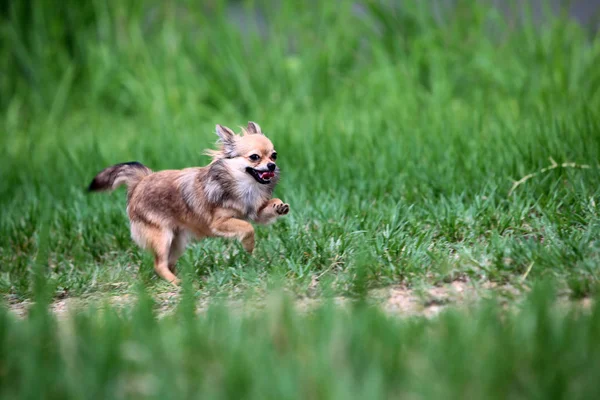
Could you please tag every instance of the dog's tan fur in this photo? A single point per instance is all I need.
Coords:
(168, 208)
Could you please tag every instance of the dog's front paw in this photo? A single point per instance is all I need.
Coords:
(282, 208)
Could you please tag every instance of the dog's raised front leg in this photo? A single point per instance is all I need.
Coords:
(235, 228)
(272, 209)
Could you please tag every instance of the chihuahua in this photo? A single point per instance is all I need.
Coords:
(168, 208)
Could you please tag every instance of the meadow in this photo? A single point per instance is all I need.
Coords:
(420, 146)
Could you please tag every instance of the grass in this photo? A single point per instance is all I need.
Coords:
(401, 133)
(278, 353)
(400, 137)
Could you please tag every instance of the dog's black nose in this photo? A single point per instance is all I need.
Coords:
(271, 166)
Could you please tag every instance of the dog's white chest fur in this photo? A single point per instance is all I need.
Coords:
(251, 194)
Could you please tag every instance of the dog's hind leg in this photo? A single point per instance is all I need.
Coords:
(159, 241)
(178, 245)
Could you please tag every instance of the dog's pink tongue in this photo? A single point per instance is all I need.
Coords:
(266, 175)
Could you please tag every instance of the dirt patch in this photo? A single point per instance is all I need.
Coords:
(19, 308)
(399, 301)
(431, 301)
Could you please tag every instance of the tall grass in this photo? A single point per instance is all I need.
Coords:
(400, 130)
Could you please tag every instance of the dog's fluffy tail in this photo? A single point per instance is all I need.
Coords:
(129, 173)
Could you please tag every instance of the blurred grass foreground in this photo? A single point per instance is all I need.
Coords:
(401, 130)
(420, 143)
(280, 354)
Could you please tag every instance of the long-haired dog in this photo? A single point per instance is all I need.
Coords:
(168, 208)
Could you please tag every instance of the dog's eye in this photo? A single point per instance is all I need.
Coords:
(274, 156)
(254, 157)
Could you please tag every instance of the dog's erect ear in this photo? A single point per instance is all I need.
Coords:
(254, 128)
(227, 137)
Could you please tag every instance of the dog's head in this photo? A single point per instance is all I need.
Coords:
(251, 153)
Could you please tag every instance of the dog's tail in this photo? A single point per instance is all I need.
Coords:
(129, 173)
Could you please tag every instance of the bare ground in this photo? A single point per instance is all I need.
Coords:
(398, 301)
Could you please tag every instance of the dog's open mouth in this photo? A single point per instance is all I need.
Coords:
(263, 177)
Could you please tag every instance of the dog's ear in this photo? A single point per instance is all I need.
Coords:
(254, 128)
(227, 137)
(226, 134)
